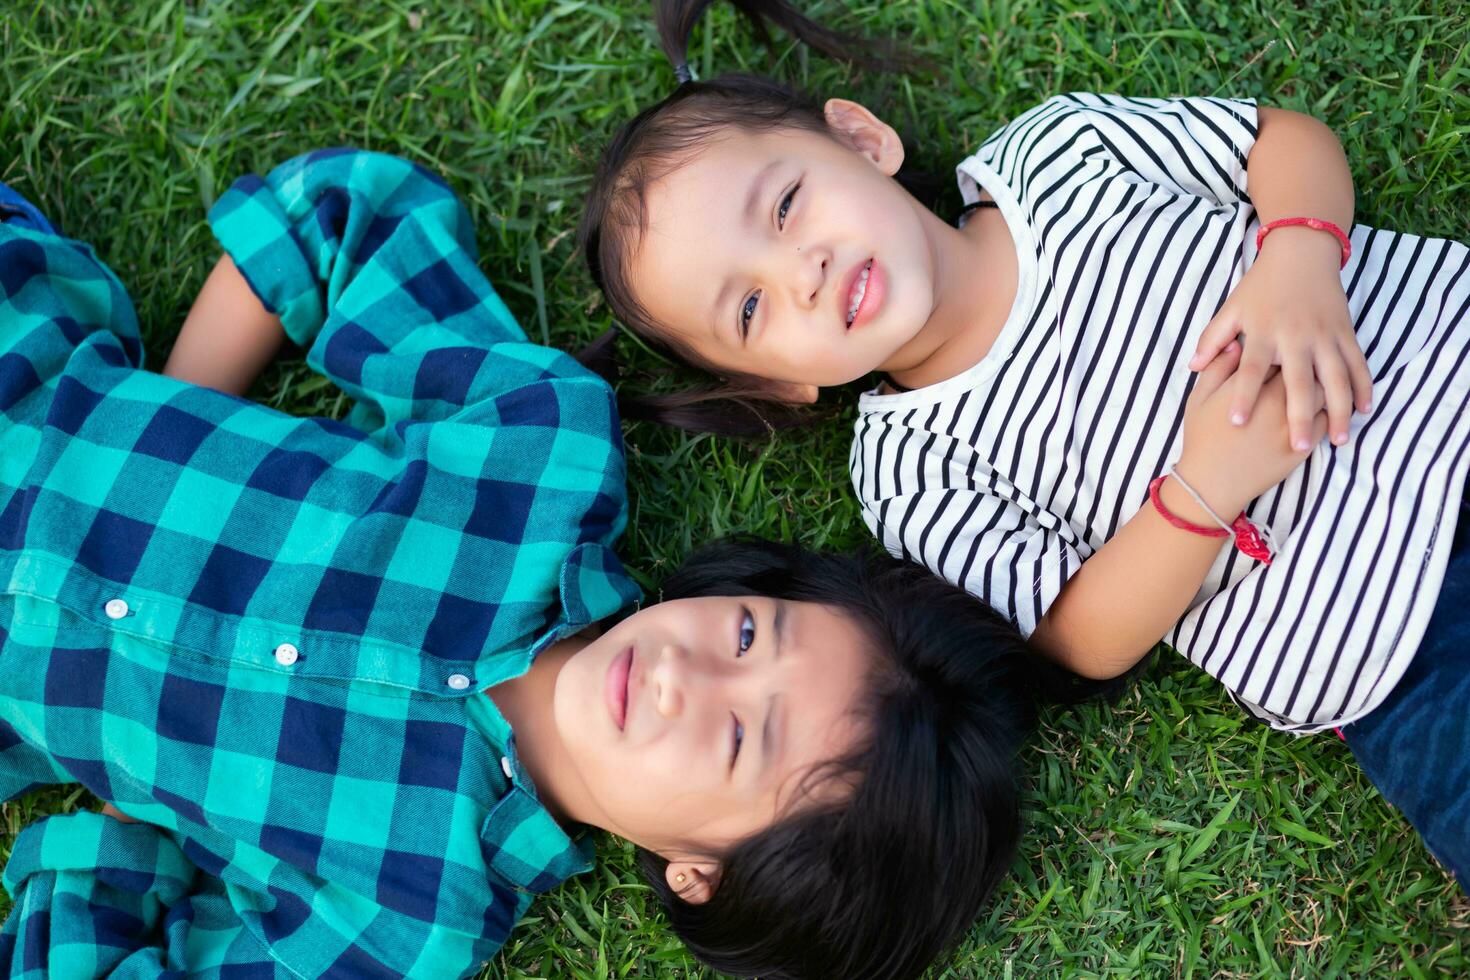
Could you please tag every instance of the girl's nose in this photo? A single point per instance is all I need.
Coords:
(812, 266)
(669, 679)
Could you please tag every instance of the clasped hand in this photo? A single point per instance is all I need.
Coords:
(1280, 368)
(1290, 312)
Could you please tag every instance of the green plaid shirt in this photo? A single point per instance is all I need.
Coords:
(264, 635)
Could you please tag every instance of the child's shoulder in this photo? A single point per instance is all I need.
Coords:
(1038, 121)
(1077, 119)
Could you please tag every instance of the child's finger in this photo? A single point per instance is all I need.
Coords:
(1217, 372)
(1302, 405)
(1337, 394)
(1319, 428)
(1362, 378)
(1248, 380)
(1217, 335)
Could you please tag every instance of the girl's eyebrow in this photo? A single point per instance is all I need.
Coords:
(719, 304)
(753, 199)
(767, 752)
(770, 730)
(757, 188)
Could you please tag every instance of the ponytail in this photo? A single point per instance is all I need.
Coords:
(741, 410)
(675, 20)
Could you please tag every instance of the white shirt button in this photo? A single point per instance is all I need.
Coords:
(286, 654)
(115, 608)
(459, 681)
(505, 767)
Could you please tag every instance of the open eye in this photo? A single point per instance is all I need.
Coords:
(747, 633)
(747, 313)
(786, 206)
(739, 740)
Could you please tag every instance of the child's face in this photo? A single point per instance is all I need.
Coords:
(757, 246)
(691, 722)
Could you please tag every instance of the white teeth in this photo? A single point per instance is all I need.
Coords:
(859, 290)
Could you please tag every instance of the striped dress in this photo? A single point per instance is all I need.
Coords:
(1132, 224)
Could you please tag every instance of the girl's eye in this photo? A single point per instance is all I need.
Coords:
(786, 206)
(747, 312)
(739, 738)
(747, 634)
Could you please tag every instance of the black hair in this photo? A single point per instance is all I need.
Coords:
(658, 140)
(881, 882)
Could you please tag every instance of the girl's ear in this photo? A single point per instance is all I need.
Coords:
(866, 133)
(693, 881)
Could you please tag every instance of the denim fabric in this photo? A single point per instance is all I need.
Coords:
(1415, 746)
(15, 208)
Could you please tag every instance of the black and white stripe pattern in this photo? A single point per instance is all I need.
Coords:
(1132, 224)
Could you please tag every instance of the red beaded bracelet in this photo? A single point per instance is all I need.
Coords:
(1248, 538)
(1316, 224)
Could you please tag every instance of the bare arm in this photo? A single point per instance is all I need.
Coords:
(1129, 594)
(228, 337)
(1132, 590)
(1136, 586)
(1297, 167)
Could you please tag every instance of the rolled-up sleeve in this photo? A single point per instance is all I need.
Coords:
(370, 262)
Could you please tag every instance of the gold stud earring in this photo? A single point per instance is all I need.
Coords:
(679, 878)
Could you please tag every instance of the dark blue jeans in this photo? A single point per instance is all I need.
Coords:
(1415, 746)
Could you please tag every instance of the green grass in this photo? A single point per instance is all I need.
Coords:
(1169, 836)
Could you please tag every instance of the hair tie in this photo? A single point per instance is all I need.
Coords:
(682, 72)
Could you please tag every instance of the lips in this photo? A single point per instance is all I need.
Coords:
(615, 687)
(862, 293)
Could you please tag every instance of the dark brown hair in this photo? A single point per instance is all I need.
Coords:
(877, 885)
(656, 142)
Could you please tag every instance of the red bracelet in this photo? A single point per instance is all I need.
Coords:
(1316, 224)
(1248, 537)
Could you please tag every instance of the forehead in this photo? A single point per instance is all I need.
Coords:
(694, 201)
(827, 636)
(712, 168)
(834, 657)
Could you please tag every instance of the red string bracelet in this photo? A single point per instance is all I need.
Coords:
(1316, 224)
(1248, 537)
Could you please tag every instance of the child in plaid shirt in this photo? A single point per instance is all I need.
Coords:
(339, 676)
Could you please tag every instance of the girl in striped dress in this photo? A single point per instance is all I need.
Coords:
(1159, 386)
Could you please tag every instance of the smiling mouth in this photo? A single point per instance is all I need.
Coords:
(858, 293)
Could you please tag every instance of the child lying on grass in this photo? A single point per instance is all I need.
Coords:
(361, 683)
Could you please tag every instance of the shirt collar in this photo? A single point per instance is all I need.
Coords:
(591, 586)
(523, 843)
